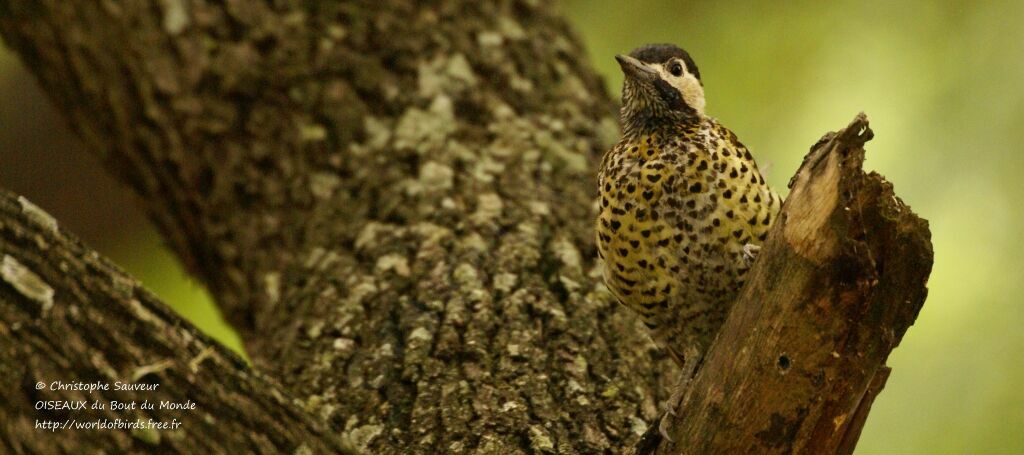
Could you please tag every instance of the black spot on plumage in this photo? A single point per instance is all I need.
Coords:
(733, 173)
(663, 242)
(623, 252)
(629, 283)
(727, 194)
(743, 199)
(642, 263)
(646, 233)
(634, 243)
(653, 177)
(648, 194)
(615, 225)
(630, 188)
(695, 188)
(703, 166)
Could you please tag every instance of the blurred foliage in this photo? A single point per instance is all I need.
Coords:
(942, 85)
(161, 272)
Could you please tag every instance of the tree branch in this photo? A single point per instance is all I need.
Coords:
(802, 355)
(68, 315)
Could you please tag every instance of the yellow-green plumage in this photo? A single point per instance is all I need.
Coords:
(682, 208)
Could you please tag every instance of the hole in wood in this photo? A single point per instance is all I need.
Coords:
(784, 362)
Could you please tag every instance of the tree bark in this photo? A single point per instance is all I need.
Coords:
(393, 202)
(68, 316)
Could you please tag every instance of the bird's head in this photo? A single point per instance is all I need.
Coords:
(662, 85)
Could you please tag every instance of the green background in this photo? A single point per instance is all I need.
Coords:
(940, 82)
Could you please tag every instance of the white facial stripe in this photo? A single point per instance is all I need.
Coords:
(687, 84)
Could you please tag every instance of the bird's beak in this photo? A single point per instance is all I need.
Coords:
(635, 69)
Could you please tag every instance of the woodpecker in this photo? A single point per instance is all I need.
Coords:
(683, 206)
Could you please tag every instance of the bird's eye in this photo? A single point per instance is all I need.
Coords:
(676, 69)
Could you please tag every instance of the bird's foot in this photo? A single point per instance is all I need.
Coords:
(750, 251)
(673, 402)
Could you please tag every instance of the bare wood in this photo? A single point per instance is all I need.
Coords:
(67, 315)
(860, 416)
(802, 355)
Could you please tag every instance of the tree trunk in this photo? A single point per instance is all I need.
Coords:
(393, 202)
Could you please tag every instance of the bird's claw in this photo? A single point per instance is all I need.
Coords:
(750, 251)
(663, 426)
(674, 401)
